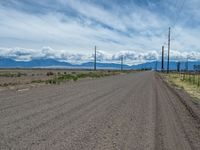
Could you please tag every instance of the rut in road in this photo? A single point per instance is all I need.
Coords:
(132, 111)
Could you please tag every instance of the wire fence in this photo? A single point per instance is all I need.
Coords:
(191, 77)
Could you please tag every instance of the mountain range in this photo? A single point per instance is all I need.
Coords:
(52, 63)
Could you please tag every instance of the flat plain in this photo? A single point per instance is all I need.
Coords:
(126, 111)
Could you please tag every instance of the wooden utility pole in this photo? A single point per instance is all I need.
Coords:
(156, 65)
(122, 63)
(178, 66)
(186, 67)
(162, 65)
(95, 58)
(168, 50)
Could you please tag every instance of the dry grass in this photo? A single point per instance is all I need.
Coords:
(177, 80)
(17, 78)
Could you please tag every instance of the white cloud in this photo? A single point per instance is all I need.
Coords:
(130, 57)
(49, 29)
(135, 31)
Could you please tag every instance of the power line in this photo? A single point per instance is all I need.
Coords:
(178, 14)
(181, 29)
(165, 31)
(169, 34)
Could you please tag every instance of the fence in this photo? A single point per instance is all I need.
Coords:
(191, 77)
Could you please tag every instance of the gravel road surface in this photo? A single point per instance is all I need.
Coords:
(135, 111)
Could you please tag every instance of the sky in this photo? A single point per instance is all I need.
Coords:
(68, 30)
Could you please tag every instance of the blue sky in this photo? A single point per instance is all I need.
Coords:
(69, 29)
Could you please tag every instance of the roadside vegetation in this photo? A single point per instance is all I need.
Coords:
(12, 78)
(190, 82)
(19, 74)
(73, 76)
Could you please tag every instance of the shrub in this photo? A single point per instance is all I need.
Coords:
(37, 81)
(50, 73)
(75, 76)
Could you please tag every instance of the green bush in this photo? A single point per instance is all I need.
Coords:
(50, 73)
(12, 74)
(37, 81)
(75, 76)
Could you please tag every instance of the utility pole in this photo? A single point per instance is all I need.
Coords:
(156, 65)
(178, 66)
(162, 65)
(186, 68)
(187, 65)
(95, 58)
(168, 50)
(122, 63)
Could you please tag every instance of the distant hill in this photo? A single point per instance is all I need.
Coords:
(52, 63)
(104, 65)
(173, 65)
(10, 63)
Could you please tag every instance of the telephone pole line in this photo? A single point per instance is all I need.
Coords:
(187, 68)
(162, 65)
(122, 62)
(95, 58)
(156, 65)
(168, 49)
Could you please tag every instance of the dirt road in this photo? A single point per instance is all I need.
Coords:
(126, 112)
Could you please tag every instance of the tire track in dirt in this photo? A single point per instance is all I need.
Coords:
(133, 111)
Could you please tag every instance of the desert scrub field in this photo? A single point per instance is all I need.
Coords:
(74, 76)
(189, 82)
(31, 77)
(19, 74)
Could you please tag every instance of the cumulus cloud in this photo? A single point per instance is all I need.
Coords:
(70, 28)
(130, 57)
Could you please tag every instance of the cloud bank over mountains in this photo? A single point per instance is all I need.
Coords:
(130, 57)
